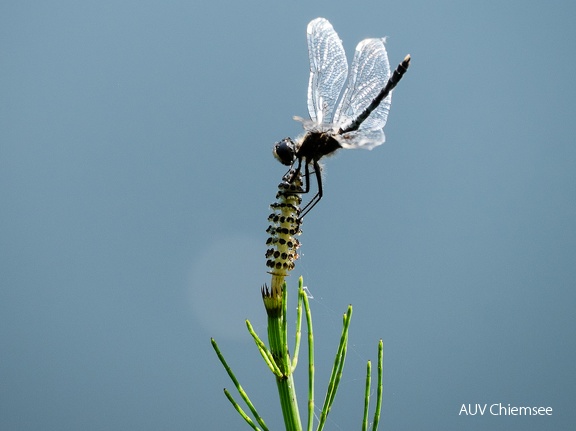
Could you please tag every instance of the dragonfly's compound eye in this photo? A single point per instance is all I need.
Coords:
(285, 151)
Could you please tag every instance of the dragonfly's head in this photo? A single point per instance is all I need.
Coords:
(285, 151)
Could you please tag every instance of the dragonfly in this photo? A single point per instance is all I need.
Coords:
(353, 118)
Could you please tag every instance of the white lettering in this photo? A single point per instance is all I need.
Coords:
(527, 411)
(473, 410)
(498, 409)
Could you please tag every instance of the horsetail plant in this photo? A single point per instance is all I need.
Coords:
(281, 256)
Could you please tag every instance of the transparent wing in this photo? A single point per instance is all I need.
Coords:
(328, 70)
(369, 73)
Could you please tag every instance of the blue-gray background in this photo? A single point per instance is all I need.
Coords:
(136, 174)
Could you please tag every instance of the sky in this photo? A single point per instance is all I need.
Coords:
(136, 174)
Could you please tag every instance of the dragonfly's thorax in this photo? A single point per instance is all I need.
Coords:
(315, 145)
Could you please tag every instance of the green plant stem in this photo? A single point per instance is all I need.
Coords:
(278, 341)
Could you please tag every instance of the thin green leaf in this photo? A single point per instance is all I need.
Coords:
(380, 386)
(310, 356)
(337, 368)
(239, 388)
(266, 354)
(241, 412)
(298, 328)
(367, 397)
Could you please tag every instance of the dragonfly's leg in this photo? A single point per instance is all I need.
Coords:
(294, 173)
(292, 180)
(307, 178)
(318, 195)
